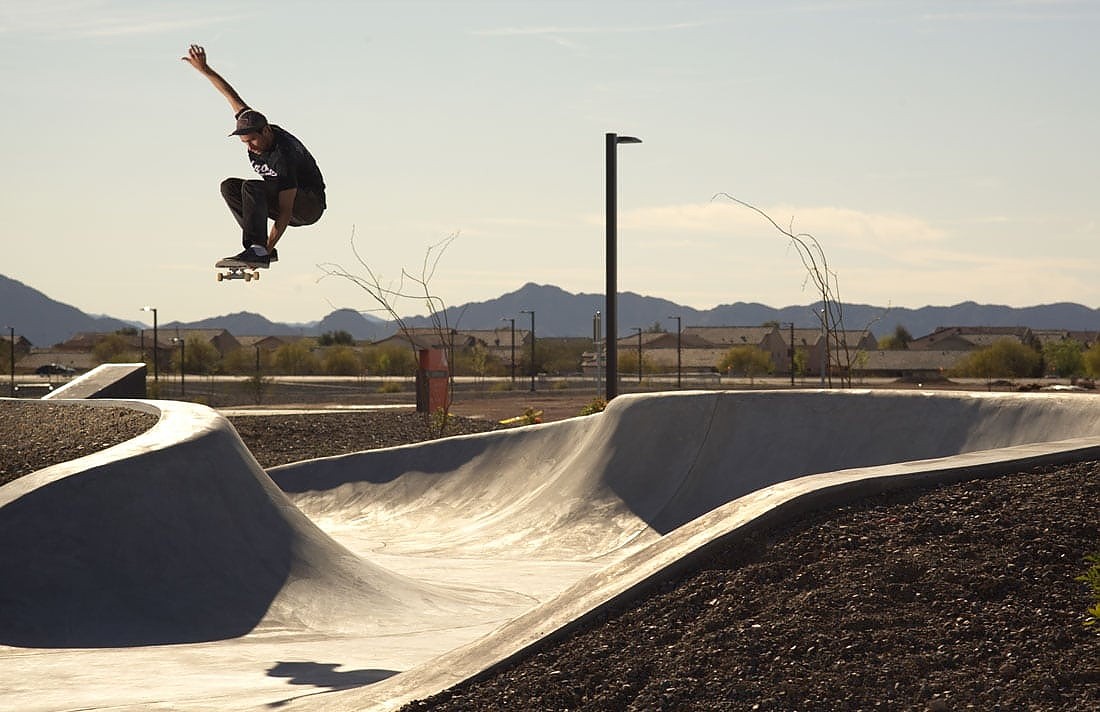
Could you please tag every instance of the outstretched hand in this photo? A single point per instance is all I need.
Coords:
(196, 57)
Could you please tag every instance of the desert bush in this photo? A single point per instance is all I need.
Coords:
(596, 406)
(1092, 578)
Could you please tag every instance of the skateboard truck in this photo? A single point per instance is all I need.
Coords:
(239, 270)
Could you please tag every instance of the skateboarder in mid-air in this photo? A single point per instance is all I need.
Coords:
(291, 192)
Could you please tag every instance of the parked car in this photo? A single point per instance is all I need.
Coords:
(54, 369)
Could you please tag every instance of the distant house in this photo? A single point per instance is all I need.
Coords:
(902, 363)
(265, 343)
(88, 340)
(22, 345)
(971, 338)
(37, 358)
(724, 338)
(703, 347)
(1087, 339)
(220, 339)
(848, 349)
(497, 341)
(659, 350)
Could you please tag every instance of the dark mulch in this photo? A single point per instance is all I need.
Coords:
(35, 435)
(279, 439)
(958, 598)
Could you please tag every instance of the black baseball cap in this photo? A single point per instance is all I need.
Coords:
(249, 121)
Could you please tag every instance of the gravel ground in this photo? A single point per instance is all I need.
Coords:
(277, 440)
(35, 435)
(957, 598)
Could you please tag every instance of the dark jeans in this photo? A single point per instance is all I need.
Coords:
(252, 202)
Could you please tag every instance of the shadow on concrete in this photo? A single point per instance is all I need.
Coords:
(325, 676)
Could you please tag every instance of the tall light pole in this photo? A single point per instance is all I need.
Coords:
(532, 313)
(512, 321)
(156, 368)
(611, 145)
(679, 330)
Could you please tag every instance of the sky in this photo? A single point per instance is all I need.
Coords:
(938, 151)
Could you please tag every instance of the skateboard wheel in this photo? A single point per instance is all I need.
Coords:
(256, 275)
(247, 277)
(220, 276)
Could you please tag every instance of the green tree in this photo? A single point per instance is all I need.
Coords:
(1092, 361)
(476, 361)
(801, 360)
(242, 362)
(1064, 358)
(748, 360)
(389, 361)
(628, 363)
(341, 361)
(336, 338)
(898, 341)
(556, 356)
(1006, 358)
(295, 359)
(113, 348)
(201, 357)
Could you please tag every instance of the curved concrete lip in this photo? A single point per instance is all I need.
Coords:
(368, 580)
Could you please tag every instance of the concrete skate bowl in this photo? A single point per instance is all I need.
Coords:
(399, 572)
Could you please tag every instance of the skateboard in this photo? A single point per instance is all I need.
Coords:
(236, 269)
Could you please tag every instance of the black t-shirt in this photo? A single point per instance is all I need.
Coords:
(288, 164)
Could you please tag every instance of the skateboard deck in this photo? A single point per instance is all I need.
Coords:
(237, 269)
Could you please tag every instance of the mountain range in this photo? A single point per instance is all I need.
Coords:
(44, 321)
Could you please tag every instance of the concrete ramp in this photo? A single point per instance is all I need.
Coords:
(109, 380)
(588, 487)
(384, 576)
(638, 490)
(177, 537)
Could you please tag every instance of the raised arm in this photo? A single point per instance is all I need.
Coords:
(196, 57)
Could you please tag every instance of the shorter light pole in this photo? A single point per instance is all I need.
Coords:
(156, 369)
(183, 361)
(679, 330)
(532, 313)
(512, 321)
